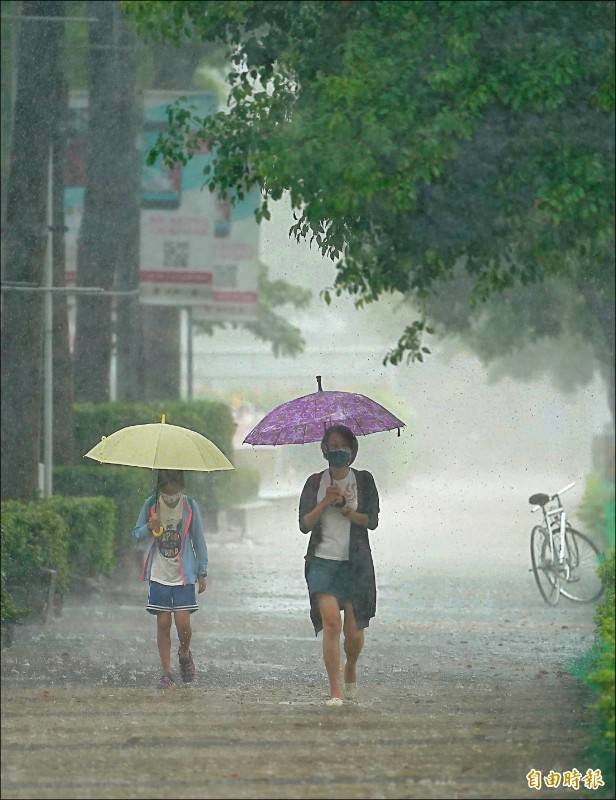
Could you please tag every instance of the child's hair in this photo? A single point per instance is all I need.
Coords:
(347, 434)
(164, 475)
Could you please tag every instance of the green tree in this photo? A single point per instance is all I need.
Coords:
(415, 136)
(548, 328)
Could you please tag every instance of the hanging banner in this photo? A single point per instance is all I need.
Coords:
(195, 250)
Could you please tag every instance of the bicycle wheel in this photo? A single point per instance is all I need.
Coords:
(547, 579)
(583, 584)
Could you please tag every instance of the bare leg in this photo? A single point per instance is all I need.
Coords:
(353, 644)
(182, 624)
(163, 638)
(330, 615)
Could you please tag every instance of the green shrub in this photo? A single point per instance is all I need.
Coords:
(33, 537)
(74, 537)
(9, 612)
(128, 487)
(596, 668)
(596, 510)
(602, 676)
(92, 525)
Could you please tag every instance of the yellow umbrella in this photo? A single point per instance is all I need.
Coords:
(160, 446)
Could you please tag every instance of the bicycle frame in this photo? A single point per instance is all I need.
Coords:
(562, 561)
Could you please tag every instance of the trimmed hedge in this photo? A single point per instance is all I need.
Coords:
(34, 536)
(92, 525)
(65, 534)
(126, 486)
(602, 676)
(596, 668)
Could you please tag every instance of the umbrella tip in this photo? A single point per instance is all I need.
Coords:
(319, 383)
(162, 419)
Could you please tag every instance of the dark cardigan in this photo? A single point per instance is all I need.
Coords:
(360, 555)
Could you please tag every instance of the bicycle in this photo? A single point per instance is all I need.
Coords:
(564, 561)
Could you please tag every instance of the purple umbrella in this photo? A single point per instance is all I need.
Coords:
(305, 419)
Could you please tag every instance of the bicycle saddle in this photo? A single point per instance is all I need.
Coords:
(539, 499)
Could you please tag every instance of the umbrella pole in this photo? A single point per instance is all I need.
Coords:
(155, 492)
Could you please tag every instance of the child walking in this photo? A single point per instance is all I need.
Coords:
(175, 561)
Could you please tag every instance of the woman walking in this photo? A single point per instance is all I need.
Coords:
(175, 561)
(338, 506)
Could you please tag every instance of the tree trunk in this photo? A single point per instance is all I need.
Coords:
(8, 50)
(26, 240)
(161, 353)
(128, 314)
(97, 252)
(63, 440)
(174, 70)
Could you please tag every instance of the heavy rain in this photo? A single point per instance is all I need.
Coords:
(403, 210)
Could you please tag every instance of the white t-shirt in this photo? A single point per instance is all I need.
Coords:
(166, 559)
(335, 526)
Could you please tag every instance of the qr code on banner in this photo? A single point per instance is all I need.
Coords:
(175, 255)
(225, 275)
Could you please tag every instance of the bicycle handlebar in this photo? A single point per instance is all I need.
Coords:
(562, 491)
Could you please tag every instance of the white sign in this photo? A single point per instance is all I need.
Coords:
(195, 250)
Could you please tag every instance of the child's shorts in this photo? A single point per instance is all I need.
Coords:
(171, 598)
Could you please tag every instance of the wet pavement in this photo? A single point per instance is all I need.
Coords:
(463, 686)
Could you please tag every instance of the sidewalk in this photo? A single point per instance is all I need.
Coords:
(463, 688)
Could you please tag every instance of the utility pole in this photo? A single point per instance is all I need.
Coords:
(49, 290)
(48, 342)
(189, 353)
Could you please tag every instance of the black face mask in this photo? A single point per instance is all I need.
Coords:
(339, 458)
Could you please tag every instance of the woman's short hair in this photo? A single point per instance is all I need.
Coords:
(347, 435)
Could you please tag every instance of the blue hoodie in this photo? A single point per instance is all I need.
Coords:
(193, 558)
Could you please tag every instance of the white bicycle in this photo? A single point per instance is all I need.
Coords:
(564, 561)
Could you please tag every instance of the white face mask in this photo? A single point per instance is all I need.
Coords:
(171, 499)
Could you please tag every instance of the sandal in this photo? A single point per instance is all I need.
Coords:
(187, 667)
(350, 691)
(334, 702)
(166, 682)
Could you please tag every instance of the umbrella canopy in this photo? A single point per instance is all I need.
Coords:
(306, 419)
(160, 446)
